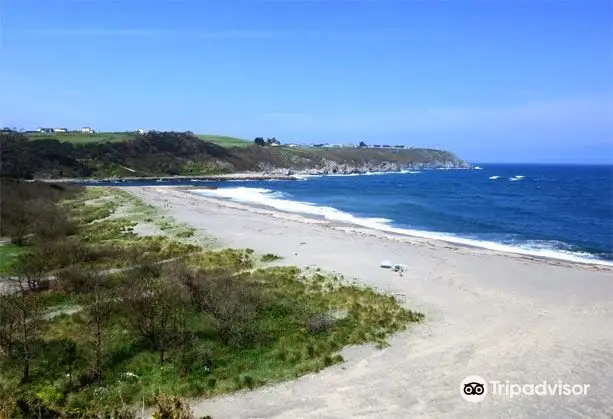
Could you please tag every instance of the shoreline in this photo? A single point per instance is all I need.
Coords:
(213, 178)
(500, 316)
(354, 228)
(278, 174)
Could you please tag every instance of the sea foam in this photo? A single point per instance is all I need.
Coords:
(281, 202)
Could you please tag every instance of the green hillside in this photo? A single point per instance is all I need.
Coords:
(175, 153)
(82, 138)
(225, 141)
(98, 137)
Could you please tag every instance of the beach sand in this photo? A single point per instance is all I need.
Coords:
(500, 316)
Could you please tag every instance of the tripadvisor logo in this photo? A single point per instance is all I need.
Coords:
(474, 389)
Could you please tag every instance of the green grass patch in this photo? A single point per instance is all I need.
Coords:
(81, 138)
(8, 254)
(225, 141)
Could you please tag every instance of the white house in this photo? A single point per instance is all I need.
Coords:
(87, 130)
(60, 129)
(140, 131)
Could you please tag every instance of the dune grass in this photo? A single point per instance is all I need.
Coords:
(241, 326)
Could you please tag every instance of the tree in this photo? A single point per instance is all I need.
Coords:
(9, 325)
(68, 355)
(99, 309)
(259, 141)
(20, 321)
(363, 144)
(157, 310)
(30, 266)
(232, 303)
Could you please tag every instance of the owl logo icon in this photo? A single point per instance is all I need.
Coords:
(473, 388)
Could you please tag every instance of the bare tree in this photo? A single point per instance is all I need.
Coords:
(30, 267)
(20, 323)
(232, 303)
(157, 309)
(99, 309)
(9, 325)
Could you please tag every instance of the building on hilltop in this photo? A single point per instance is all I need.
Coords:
(60, 129)
(44, 129)
(87, 130)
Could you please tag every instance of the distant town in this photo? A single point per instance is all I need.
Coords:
(271, 142)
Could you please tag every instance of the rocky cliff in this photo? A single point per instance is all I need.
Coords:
(347, 161)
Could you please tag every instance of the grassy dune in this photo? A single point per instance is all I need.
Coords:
(180, 318)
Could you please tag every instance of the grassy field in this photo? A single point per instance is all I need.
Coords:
(225, 141)
(80, 138)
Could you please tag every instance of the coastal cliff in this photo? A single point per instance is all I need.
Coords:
(349, 161)
(169, 154)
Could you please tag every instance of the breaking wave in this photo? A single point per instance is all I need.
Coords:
(282, 202)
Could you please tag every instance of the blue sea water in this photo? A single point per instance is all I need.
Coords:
(557, 211)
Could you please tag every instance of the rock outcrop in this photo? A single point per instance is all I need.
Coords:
(327, 166)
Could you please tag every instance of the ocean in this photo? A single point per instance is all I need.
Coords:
(555, 211)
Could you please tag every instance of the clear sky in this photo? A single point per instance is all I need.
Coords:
(497, 80)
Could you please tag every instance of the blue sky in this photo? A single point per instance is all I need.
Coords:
(498, 80)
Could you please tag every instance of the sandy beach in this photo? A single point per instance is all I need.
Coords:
(501, 316)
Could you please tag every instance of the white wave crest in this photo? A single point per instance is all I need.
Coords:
(269, 198)
(266, 197)
(494, 177)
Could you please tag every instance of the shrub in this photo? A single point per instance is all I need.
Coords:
(319, 323)
(166, 407)
(185, 234)
(8, 401)
(269, 257)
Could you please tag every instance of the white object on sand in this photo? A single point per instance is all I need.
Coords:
(399, 268)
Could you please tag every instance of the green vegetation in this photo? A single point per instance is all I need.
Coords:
(8, 254)
(101, 137)
(225, 141)
(83, 138)
(172, 153)
(98, 319)
(269, 257)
